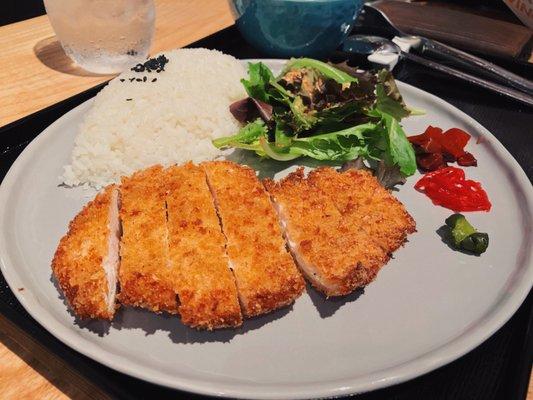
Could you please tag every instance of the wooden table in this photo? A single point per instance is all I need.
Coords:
(35, 73)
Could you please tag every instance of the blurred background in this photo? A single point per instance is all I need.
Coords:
(18, 10)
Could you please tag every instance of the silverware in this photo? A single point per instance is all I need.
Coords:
(432, 47)
(387, 52)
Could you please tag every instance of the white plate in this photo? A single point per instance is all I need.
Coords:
(428, 306)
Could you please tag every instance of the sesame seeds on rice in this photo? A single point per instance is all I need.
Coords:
(137, 120)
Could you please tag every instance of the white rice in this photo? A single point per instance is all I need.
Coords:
(169, 121)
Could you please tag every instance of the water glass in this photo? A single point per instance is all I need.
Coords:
(103, 36)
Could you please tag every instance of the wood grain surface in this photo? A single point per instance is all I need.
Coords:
(30, 371)
(464, 29)
(35, 72)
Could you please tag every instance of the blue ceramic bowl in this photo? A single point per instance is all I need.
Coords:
(293, 28)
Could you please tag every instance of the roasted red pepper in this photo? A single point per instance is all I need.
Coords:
(430, 162)
(454, 141)
(467, 160)
(447, 187)
(434, 148)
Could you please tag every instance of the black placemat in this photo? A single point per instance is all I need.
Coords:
(497, 369)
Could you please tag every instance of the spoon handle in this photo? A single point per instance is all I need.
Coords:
(495, 87)
(476, 64)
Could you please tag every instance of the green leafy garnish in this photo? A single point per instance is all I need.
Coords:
(399, 149)
(247, 135)
(335, 146)
(275, 153)
(327, 113)
(388, 97)
(259, 80)
(326, 70)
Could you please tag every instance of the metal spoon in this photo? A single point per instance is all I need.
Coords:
(443, 51)
(384, 51)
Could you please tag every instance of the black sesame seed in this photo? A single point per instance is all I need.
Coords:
(139, 80)
(153, 64)
(122, 80)
(144, 78)
(129, 99)
(155, 79)
(132, 79)
(138, 68)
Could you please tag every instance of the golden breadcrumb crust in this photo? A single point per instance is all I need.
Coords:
(363, 201)
(201, 275)
(266, 275)
(77, 263)
(144, 273)
(176, 252)
(339, 251)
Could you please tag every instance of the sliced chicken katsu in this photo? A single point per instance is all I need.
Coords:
(266, 275)
(202, 278)
(334, 255)
(363, 202)
(86, 260)
(144, 274)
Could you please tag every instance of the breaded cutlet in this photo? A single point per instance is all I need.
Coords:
(365, 203)
(144, 270)
(328, 251)
(86, 260)
(201, 276)
(266, 275)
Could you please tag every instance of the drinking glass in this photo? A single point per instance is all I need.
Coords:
(103, 36)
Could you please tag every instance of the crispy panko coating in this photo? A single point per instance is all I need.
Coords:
(266, 275)
(362, 201)
(78, 264)
(201, 275)
(144, 273)
(205, 241)
(334, 254)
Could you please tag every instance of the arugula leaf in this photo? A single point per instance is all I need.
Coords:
(280, 136)
(273, 152)
(262, 86)
(246, 135)
(327, 70)
(388, 97)
(339, 117)
(260, 77)
(399, 150)
(301, 120)
(335, 146)
(388, 105)
(279, 93)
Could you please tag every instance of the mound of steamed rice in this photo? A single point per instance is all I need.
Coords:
(171, 120)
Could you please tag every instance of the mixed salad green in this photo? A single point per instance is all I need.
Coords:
(326, 112)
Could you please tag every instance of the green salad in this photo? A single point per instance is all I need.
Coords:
(325, 112)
